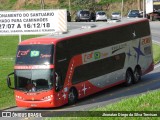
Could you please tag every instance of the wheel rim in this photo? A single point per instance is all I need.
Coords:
(129, 79)
(136, 76)
(71, 96)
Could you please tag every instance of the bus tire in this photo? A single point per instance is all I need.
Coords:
(72, 96)
(129, 78)
(137, 75)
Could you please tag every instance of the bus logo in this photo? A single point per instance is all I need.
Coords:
(146, 41)
(22, 53)
(97, 55)
(93, 56)
(88, 56)
(118, 47)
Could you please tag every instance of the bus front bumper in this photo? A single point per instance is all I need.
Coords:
(36, 104)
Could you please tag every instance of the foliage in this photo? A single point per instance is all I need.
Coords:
(7, 4)
(107, 5)
(103, 2)
(77, 4)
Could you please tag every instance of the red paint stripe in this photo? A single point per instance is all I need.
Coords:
(149, 69)
(74, 62)
(33, 67)
(38, 41)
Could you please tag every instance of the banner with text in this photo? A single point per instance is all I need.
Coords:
(32, 22)
(49, 113)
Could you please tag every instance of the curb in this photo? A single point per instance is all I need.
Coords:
(9, 108)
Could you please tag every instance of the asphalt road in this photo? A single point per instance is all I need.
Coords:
(155, 30)
(149, 82)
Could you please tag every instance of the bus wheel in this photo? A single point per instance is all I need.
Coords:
(137, 75)
(72, 96)
(129, 78)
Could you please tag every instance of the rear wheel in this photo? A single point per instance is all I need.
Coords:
(137, 75)
(72, 96)
(129, 78)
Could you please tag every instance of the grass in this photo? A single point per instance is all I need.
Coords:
(156, 53)
(8, 46)
(144, 102)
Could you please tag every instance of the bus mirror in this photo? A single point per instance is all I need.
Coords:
(9, 81)
(58, 81)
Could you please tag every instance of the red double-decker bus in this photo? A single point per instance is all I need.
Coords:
(57, 69)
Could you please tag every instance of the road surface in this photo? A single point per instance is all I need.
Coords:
(155, 30)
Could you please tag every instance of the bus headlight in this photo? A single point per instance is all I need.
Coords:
(48, 97)
(19, 97)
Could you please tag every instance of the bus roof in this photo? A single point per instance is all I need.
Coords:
(76, 29)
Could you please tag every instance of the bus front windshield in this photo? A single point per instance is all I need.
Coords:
(34, 79)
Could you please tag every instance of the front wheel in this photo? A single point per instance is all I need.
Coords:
(129, 78)
(72, 96)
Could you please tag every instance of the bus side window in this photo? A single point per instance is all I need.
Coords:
(117, 57)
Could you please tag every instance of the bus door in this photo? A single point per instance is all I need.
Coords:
(61, 67)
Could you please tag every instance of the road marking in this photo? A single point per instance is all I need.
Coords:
(26, 119)
(156, 42)
(7, 58)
